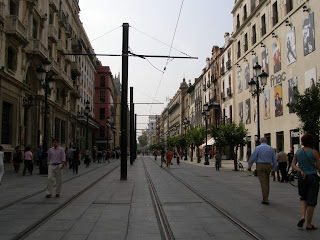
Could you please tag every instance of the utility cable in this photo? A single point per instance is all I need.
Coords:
(106, 33)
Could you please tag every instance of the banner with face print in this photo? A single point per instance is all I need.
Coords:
(278, 100)
(247, 75)
(240, 81)
(276, 56)
(308, 34)
(266, 104)
(241, 112)
(292, 89)
(310, 77)
(265, 61)
(291, 46)
(248, 111)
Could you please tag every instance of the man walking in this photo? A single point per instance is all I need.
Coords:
(264, 156)
(56, 162)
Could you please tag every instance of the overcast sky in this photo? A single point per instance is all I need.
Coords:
(202, 25)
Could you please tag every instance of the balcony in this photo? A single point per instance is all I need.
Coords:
(76, 68)
(52, 34)
(222, 70)
(61, 47)
(76, 45)
(54, 5)
(68, 30)
(54, 66)
(16, 29)
(229, 91)
(63, 78)
(213, 100)
(75, 91)
(62, 18)
(228, 64)
(36, 47)
(213, 78)
(2, 18)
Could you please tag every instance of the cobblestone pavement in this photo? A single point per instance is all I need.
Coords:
(114, 209)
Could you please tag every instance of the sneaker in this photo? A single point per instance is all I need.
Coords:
(265, 202)
(48, 196)
(57, 195)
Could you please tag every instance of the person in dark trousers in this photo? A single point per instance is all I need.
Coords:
(308, 181)
(17, 159)
(290, 158)
(218, 160)
(87, 159)
(94, 152)
(282, 162)
(75, 160)
(28, 161)
(266, 160)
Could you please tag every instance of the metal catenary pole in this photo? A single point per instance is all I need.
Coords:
(131, 126)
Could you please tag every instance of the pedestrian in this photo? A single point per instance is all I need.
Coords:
(282, 163)
(104, 155)
(75, 160)
(277, 172)
(308, 181)
(87, 158)
(17, 159)
(39, 154)
(155, 154)
(210, 154)
(248, 153)
(56, 163)
(169, 157)
(108, 155)
(1, 163)
(178, 158)
(162, 156)
(69, 157)
(94, 154)
(218, 160)
(266, 160)
(290, 158)
(28, 161)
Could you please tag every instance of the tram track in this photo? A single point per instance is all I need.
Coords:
(30, 229)
(234, 220)
(43, 190)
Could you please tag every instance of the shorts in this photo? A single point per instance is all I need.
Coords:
(308, 189)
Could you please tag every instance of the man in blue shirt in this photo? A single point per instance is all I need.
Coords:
(266, 159)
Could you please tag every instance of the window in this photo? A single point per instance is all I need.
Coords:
(6, 127)
(268, 137)
(13, 8)
(57, 95)
(101, 131)
(263, 25)
(289, 5)
(275, 13)
(280, 142)
(238, 21)
(51, 18)
(102, 113)
(253, 5)
(11, 59)
(102, 96)
(35, 29)
(59, 33)
(50, 50)
(246, 42)
(230, 113)
(239, 49)
(244, 12)
(63, 132)
(103, 81)
(254, 35)
(57, 128)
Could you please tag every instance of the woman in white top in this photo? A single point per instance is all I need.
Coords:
(1, 163)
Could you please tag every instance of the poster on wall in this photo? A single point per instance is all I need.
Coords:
(278, 100)
(241, 112)
(240, 81)
(308, 34)
(292, 89)
(265, 61)
(291, 46)
(266, 104)
(276, 56)
(310, 78)
(247, 75)
(254, 61)
(248, 111)
(255, 109)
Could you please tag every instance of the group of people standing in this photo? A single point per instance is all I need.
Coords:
(308, 167)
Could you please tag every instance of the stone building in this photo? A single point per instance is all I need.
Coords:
(281, 37)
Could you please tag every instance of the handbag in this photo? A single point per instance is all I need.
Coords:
(312, 164)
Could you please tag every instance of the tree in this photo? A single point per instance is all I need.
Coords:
(230, 134)
(143, 141)
(196, 137)
(307, 108)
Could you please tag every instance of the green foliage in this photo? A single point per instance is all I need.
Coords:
(196, 136)
(307, 108)
(143, 141)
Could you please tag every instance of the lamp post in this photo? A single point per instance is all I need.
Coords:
(256, 89)
(108, 126)
(205, 114)
(185, 125)
(86, 112)
(46, 83)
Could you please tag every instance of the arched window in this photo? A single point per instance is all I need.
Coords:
(103, 81)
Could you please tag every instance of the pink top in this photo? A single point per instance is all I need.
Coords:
(56, 155)
(28, 156)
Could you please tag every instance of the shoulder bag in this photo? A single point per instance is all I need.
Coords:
(311, 163)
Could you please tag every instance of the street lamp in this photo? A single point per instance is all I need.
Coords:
(256, 89)
(108, 124)
(46, 82)
(205, 114)
(86, 112)
(185, 125)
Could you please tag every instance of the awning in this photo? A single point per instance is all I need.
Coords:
(209, 142)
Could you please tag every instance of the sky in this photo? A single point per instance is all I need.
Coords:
(201, 25)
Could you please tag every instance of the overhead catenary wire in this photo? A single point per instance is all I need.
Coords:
(106, 33)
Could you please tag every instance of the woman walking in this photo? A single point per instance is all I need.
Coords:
(28, 161)
(17, 159)
(218, 161)
(308, 181)
(1, 163)
(76, 160)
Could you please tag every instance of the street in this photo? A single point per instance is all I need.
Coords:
(114, 209)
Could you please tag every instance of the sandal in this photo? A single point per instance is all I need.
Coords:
(301, 222)
(312, 228)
